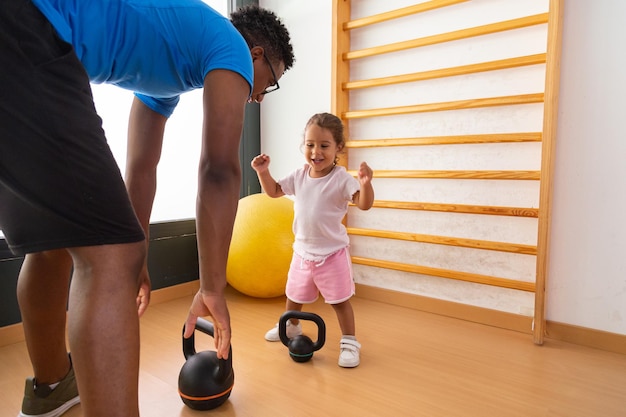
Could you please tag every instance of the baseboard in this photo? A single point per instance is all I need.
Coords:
(585, 336)
(11, 334)
(447, 308)
(176, 291)
(582, 336)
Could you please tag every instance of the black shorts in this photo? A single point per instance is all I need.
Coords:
(59, 183)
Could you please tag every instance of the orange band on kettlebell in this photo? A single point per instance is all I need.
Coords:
(210, 397)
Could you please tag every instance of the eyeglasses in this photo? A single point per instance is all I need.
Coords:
(275, 86)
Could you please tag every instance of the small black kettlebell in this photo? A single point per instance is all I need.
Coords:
(301, 347)
(204, 382)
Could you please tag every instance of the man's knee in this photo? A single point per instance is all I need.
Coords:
(128, 256)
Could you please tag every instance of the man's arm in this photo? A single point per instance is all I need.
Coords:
(219, 180)
(145, 139)
(143, 151)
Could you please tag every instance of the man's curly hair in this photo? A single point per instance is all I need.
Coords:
(261, 27)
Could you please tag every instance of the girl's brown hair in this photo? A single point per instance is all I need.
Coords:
(330, 122)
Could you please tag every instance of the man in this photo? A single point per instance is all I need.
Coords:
(62, 201)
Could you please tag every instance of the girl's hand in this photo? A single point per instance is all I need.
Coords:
(364, 198)
(260, 163)
(365, 173)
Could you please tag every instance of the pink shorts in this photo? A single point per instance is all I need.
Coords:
(331, 277)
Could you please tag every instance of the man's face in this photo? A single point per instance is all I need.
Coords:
(266, 76)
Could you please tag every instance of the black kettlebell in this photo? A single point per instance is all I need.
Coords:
(301, 347)
(204, 382)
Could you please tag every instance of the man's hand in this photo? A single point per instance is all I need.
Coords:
(143, 297)
(215, 306)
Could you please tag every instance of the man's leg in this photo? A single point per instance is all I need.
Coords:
(42, 293)
(104, 327)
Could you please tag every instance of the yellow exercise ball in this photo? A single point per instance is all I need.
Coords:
(261, 247)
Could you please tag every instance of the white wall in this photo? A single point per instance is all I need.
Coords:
(305, 89)
(587, 272)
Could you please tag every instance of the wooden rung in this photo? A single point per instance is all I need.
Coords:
(458, 208)
(460, 174)
(395, 14)
(448, 72)
(447, 140)
(446, 273)
(448, 105)
(449, 36)
(446, 240)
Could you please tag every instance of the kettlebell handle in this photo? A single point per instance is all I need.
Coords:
(301, 315)
(189, 346)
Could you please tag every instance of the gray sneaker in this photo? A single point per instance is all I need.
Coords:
(41, 401)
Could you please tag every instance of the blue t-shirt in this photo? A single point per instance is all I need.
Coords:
(156, 48)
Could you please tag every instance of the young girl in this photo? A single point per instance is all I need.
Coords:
(321, 261)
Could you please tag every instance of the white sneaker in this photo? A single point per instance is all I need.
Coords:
(292, 331)
(349, 356)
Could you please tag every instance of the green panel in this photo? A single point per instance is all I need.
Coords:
(173, 253)
(250, 147)
(172, 260)
(235, 4)
(9, 310)
(251, 137)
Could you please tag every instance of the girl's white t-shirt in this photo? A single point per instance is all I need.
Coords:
(319, 207)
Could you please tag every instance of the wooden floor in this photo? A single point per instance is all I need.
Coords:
(412, 364)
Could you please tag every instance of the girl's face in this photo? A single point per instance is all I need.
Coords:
(320, 150)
